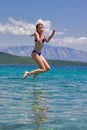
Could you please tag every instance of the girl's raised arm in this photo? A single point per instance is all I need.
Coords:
(49, 38)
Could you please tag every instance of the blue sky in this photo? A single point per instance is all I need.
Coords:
(19, 17)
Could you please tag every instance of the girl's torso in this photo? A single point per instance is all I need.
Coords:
(38, 46)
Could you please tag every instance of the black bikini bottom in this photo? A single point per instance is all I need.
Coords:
(34, 51)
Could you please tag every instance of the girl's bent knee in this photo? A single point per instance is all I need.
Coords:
(44, 70)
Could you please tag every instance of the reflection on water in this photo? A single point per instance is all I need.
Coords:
(39, 106)
(23, 108)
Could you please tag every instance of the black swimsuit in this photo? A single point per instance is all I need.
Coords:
(43, 40)
(35, 51)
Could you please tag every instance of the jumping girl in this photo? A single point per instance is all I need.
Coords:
(36, 53)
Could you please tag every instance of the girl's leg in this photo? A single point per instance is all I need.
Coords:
(47, 66)
(38, 59)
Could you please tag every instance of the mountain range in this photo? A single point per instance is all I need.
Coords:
(49, 52)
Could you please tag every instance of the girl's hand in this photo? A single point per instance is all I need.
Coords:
(54, 31)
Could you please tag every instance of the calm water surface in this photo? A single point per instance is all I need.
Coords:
(56, 100)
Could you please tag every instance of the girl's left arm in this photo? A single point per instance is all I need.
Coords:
(49, 38)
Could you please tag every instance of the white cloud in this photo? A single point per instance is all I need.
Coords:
(59, 33)
(70, 40)
(16, 27)
(74, 40)
(79, 43)
(46, 23)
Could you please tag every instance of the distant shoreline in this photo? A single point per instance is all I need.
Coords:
(8, 59)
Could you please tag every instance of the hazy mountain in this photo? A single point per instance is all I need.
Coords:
(49, 52)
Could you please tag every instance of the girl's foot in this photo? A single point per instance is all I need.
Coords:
(25, 75)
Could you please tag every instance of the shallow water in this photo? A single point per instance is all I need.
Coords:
(55, 100)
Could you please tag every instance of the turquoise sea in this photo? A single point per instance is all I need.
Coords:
(55, 100)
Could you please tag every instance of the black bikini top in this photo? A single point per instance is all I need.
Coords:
(43, 40)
